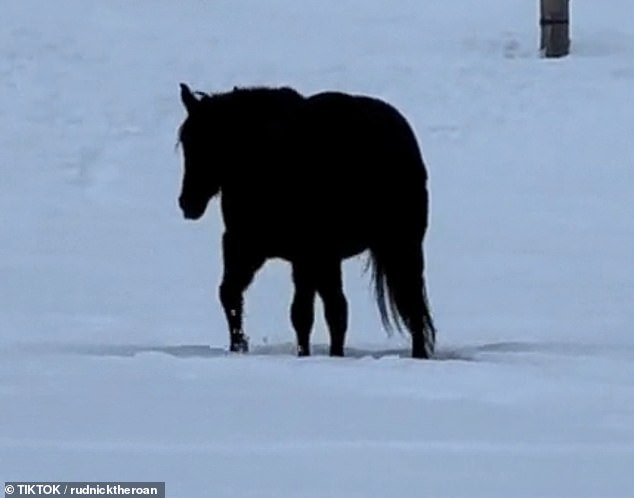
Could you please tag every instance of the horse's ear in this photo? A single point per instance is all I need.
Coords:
(188, 98)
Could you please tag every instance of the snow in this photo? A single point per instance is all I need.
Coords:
(112, 362)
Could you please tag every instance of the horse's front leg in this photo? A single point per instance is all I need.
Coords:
(240, 266)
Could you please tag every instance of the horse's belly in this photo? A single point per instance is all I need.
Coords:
(285, 223)
(313, 240)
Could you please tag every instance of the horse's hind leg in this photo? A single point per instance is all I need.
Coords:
(240, 266)
(330, 288)
(303, 306)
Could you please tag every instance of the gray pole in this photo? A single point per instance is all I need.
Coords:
(555, 28)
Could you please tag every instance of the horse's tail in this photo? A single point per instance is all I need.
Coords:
(401, 294)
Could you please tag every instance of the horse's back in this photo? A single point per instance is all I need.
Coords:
(358, 136)
(365, 131)
(363, 163)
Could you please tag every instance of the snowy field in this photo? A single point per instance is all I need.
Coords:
(112, 363)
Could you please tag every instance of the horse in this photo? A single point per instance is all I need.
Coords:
(311, 180)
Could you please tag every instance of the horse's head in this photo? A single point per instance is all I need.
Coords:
(201, 178)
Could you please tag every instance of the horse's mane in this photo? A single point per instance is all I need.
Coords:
(257, 98)
(251, 92)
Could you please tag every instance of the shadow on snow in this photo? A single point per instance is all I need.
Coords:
(481, 352)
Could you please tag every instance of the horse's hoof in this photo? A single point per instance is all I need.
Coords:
(239, 347)
(423, 347)
(423, 353)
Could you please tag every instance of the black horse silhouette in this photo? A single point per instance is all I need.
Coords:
(312, 180)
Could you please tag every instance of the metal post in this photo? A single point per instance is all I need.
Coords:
(555, 27)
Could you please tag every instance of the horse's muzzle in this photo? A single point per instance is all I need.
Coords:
(190, 212)
(191, 216)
